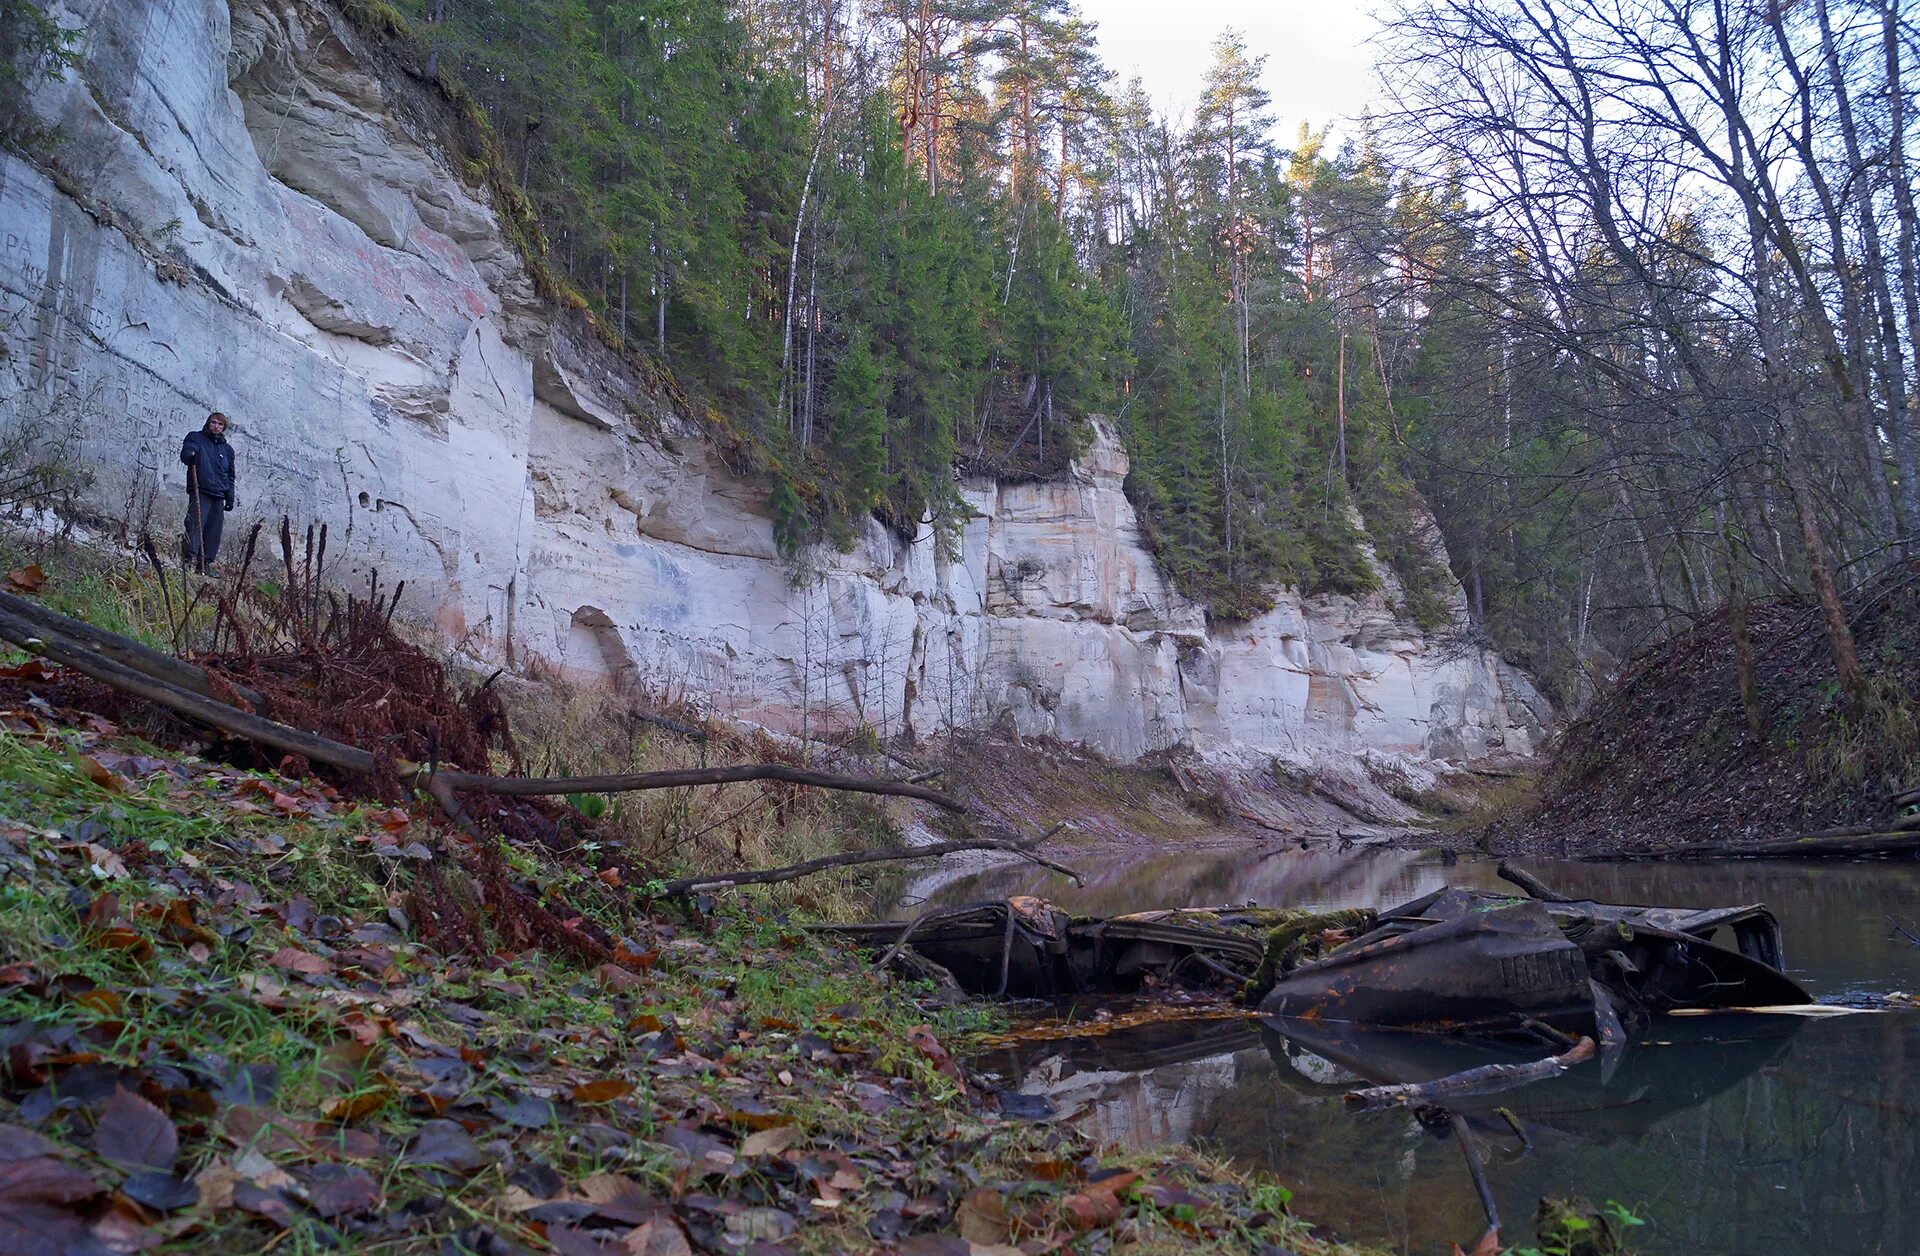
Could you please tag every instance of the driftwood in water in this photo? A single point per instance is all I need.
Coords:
(1892, 841)
(1485, 1080)
(1534, 886)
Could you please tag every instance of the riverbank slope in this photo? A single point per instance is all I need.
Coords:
(1674, 759)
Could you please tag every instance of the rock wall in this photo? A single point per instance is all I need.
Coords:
(241, 206)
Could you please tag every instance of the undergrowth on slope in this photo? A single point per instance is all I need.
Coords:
(1665, 757)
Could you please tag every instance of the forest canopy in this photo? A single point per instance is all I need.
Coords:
(1625, 290)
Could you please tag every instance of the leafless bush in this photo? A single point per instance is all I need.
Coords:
(42, 469)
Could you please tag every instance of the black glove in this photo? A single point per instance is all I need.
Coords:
(228, 503)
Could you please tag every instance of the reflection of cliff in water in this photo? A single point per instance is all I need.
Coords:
(1736, 1136)
(1742, 1144)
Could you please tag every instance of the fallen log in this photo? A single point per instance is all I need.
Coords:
(228, 719)
(56, 644)
(1901, 824)
(122, 650)
(1810, 846)
(1485, 1080)
(522, 787)
(885, 854)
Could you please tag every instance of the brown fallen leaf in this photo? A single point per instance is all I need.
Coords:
(37, 1206)
(923, 1040)
(1099, 1203)
(216, 1183)
(178, 925)
(1489, 1245)
(982, 1217)
(1090, 1210)
(104, 862)
(19, 1143)
(615, 1197)
(337, 1190)
(264, 1202)
(753, 1115)
(770, 1142)
(99, 774)
(28, 579)
(121, 1232)
(605, 1090)
(446, 1144)
(392, 820)
(661, 1236)
(295, 960)
(761, 1225)
(356, 1107)
(133, 1132)
(103, 1001)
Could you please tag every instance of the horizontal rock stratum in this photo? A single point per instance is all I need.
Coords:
(244, 207)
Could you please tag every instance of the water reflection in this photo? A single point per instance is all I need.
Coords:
(1731, 1135)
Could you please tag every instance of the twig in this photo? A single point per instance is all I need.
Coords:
(1514, 1124)
(1903, 930)
(906, 935)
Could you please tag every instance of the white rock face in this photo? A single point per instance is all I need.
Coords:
(238, 210)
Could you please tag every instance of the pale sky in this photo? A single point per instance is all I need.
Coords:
(1317, 66)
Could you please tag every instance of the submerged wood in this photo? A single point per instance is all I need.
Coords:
(1477, 1170)
(1486, 1080)
(1534, 886)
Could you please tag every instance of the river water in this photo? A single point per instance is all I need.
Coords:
(1740, 1135)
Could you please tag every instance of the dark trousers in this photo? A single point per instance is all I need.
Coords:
(206, 516)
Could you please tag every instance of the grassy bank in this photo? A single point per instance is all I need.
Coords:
(241, 1010)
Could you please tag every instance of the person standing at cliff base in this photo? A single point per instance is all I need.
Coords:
(210, 476)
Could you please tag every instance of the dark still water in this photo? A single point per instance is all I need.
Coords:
(1740, 1135)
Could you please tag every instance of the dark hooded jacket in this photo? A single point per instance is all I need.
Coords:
(211, 458)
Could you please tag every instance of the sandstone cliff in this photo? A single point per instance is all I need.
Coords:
(241, 205)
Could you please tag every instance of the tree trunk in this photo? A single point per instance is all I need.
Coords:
(1907, 246)
(1893, 369)
(1846, 658)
